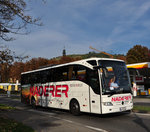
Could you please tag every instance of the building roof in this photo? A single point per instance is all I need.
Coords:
(139, 65)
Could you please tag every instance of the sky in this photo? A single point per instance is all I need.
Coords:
(113, 26)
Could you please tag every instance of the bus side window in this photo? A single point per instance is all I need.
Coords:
(61, 74)
(44, 76)
(28, 79)
(38, 77)
(81, 73)
(64, 73)
(92, 62)
(70, 73)
(77, 72)
(50, 75)
(56, 75)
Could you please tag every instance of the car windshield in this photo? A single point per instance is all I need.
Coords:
(115, 77)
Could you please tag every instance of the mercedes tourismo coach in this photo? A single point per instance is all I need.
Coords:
(95, 85)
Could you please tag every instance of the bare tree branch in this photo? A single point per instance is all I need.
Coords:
(13, 18)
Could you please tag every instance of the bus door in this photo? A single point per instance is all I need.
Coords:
(94, 92)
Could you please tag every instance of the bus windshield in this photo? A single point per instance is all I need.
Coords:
(115, 77)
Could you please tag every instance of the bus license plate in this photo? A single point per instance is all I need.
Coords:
(122, 108)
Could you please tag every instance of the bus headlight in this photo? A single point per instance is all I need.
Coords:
(107, 104)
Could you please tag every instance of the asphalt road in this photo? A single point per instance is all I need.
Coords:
(45, 120)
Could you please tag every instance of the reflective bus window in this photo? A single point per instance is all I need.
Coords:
(61, 74)
(81, 74)
(77, 72)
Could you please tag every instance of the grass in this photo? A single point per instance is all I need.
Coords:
(8, 125)
(6, 107)
(141, 108)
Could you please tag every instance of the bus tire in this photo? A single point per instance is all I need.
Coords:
(74, 107)
(33, 103)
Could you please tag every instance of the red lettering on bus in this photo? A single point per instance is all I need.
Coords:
(46, 90)
(66, 90)
(40, 90)
(58, 91)
(31, 90)
(129, 97)
(36, 91)
(114, 99)
(126, 98)
(52, 89)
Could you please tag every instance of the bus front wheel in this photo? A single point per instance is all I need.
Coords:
(74, 107)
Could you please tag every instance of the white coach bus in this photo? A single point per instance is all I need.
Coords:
(95, 85)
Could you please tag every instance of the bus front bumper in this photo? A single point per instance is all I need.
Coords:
(115, 109)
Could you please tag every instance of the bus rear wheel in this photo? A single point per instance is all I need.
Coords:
(74, 107)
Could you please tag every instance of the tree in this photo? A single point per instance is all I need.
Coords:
(18, 67)
(36, 63)
(121, 57)
(15, 71)
(13, 18)
(7, 57)
(138, 54)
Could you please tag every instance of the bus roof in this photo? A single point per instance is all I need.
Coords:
(139, 65)
(81, 62)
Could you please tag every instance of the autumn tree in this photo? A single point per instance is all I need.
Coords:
(65, 59)
(122, 58)
(13, 18)
(15, 71)
(7, 58)
(53, 61)
(36, 63)
(138, 54)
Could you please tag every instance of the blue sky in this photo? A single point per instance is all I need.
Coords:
(113, 26)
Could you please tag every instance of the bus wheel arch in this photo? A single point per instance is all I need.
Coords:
(74, 107)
